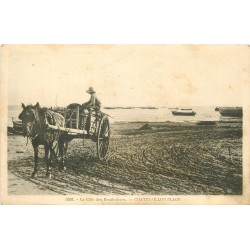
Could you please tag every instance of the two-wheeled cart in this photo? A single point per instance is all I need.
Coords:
(97, 129)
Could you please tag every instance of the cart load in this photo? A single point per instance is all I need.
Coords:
(96, 127)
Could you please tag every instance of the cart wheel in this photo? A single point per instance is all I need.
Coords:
(103, 136)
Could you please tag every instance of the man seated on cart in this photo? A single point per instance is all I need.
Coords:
(93, 103)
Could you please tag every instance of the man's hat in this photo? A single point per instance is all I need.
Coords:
(90, 90)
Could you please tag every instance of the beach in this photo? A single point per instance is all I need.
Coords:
(166, 158)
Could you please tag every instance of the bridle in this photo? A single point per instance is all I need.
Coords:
(33, 131)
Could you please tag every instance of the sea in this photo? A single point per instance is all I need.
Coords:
(161, 114)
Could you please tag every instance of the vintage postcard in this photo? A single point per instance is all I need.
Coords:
(125, 124)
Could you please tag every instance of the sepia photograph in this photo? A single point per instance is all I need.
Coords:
(125, 124)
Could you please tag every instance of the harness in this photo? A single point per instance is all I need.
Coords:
(35, 130)
(38, 127)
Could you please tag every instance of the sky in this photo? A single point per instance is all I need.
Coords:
(129, 75)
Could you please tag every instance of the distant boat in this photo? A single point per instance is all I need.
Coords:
(184, 112)
(231, 111)
(149, 108)
(17, 125)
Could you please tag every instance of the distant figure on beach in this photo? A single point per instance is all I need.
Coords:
(93, 102)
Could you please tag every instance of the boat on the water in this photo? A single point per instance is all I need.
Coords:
(109, 107)
(231, 111)
(149, 108)
(184, 112)
(17, 126)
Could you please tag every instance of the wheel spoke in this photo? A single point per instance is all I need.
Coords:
(106, 126)
(105, 147)
(107, 134)
(103, 138)
(106, 131)
(102, 149)
(103, 127)
(105, 142)
(101, 153)
(100, 145)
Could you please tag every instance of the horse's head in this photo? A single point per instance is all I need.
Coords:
(28, 117)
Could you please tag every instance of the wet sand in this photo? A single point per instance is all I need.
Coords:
(169, 159)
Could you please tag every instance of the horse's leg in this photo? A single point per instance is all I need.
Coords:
(61, 154)
(47, 160)
(35, 147)
(51, 151)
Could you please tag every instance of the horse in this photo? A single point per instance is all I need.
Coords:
(34, 121)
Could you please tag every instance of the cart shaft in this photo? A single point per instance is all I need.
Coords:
(68, 130)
